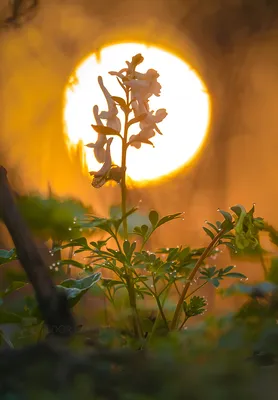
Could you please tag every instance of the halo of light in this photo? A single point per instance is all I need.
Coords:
(183, 94)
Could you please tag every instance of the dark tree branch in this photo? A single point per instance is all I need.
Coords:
(53, 304)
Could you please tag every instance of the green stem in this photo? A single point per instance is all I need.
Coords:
(150, 336)
(129, 277)
(195, 290)
(177, 289)
(159, 304)
(160, 307)
(123, 167)
(182, 325)
(192, 276)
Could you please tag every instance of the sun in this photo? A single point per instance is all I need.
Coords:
(183, 94)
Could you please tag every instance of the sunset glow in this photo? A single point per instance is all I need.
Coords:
(183, 95)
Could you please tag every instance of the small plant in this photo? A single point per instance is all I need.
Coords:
(142, 273)
(168, 273)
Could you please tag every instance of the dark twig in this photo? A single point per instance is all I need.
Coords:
(53, 304)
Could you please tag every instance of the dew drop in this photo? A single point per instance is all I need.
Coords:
(56, 269)
(53, 264)
(50, 267)
(218, 209)
(70, 228)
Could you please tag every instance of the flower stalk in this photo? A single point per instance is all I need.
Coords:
(200, 261)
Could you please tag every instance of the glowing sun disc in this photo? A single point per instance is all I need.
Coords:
(183, 95)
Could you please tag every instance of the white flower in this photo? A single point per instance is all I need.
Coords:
(148, 124)
(130, 70)
(144, 85)
(107, 162)
(111, 115)
(98, 146)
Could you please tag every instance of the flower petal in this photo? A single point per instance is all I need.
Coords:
(107, 163)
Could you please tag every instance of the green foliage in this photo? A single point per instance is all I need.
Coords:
(211, 274)
(194, 307)
(76, 288)
(156, 274)
(7, 256)
(52, 217)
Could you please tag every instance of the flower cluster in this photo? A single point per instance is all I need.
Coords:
(138, 88)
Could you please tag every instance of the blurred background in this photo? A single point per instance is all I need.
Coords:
(232, 46)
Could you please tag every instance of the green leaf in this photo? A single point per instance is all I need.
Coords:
(153, 217)
(110, 282)
(7, 256)
(126, 247)
(215, 282)
(79, 242)
(196, 306)
(76, 288)
(213, 226)
(137, 119)
(228, 269)
(227, 225)
(226, 215)
(238, 209)
(235, 275)
(144, 229)
(74, 263)
(209, 233)
(120, 101)
(168, 218)
(105, 130)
